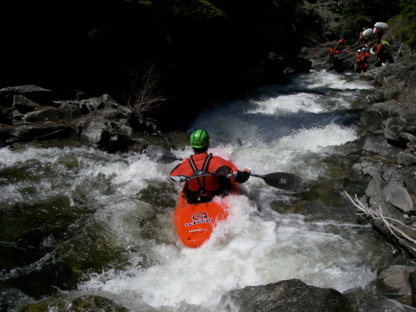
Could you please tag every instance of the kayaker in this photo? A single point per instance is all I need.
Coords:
(206, 176)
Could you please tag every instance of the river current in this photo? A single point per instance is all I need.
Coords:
(79, 220)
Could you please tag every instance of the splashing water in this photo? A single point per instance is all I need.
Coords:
(126, 204)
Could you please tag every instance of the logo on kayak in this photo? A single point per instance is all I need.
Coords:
(199, 217)
(282, 181)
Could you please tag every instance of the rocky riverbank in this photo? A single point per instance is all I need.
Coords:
(383, 162)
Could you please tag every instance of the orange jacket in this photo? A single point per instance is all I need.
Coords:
(358, 57)
(184, 170)
(379, 49)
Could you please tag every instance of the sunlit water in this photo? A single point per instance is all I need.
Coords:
(113, 212)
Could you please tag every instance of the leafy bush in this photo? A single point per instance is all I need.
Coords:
(364, 13)
(404, 24)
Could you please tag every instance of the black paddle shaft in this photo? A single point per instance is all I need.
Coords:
(281, 180)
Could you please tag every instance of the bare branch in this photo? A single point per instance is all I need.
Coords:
(393, 229)
(145, 95)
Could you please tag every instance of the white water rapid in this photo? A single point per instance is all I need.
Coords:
(281, 128)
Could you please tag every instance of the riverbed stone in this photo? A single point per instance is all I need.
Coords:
(398, 197)
(388, 305)
(388, 108)
(378, 145)
(24, 89)
(113, 113)
(96, 131)
(68, 112)
(393, 282)
(96, 103)
(406, 159)
(284, 296)
(370, 120)
(23, 105)
(41, 115)
(392, 128)
(40, 131)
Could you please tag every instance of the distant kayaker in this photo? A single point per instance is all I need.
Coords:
(206, 176)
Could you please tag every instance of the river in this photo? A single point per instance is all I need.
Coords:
(79, 220)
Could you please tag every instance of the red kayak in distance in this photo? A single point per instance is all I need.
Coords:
(195, 222)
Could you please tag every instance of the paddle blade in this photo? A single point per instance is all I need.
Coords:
(281, 180)
(160, 154)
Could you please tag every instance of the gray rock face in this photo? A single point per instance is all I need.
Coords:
(398, 197)
(390, 306)
(284, 297)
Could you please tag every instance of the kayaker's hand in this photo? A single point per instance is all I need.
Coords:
(242, 176)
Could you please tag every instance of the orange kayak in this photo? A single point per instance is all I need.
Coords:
(195, 222)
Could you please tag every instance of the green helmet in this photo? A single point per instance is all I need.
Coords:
(199, 139)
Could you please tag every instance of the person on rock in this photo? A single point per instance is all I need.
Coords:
(365, 59)
(363, 39)
(206, 175)
(379, 33)
(381, 54)
(331, 54)
(357, 61)
(341, 43)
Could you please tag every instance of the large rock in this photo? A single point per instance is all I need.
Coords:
(105, 134)
(407, 159)
(23, 105)
(398, 197)
(33, 93)
(388, 305)
(39, 132)
(378, 145)
(96, 103)
(284, 296)
(393, 282)
(25, 89)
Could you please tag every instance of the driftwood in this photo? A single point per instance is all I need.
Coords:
(391, 224)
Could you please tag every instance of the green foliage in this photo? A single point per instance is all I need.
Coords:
(404, 24)
(364, 13)
(184, 8)
(79, 95)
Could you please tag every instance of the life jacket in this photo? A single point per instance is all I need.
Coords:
(385, 44)
(203, 185)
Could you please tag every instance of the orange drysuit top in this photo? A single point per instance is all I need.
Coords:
(184, 170)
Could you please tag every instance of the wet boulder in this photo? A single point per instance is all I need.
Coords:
(29, 93)
(398, 197)
(394, 282)
(103, 102)
(68, 112)
(46, 114)
(390, 305)
(120, 113)
(407, 159)
(23, 105)
(284, 296)
(44, 131)
(104, 134)
(378, 145)
(6, 116)
(74, 302)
